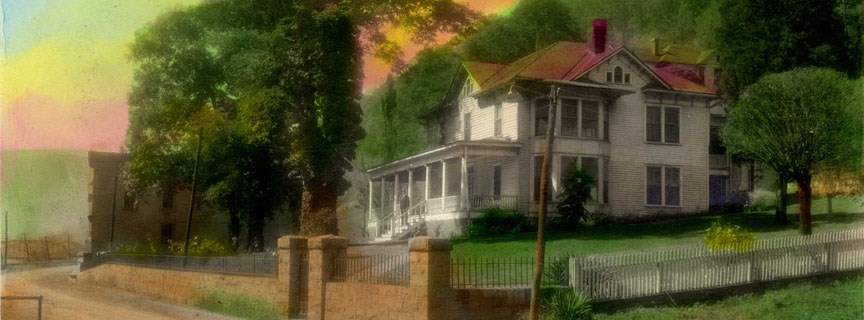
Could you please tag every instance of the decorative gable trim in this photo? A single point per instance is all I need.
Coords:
(633, 60)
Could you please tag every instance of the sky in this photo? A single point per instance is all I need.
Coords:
(65, 75)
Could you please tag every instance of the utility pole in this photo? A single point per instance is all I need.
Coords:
(5, 238)
(540, 251)
(192, 197)
(113, 214)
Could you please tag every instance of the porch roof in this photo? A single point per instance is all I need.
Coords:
(453, 150)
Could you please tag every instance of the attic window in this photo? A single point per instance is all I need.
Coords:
(617, 75)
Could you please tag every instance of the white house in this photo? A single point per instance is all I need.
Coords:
(641, 121)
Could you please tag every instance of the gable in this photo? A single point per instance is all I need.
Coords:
(638, 74)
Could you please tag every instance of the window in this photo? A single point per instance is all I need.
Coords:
(617, 75)
(498, 120)
(606, 123)
(538, 167)
(569, 118)
(590, 118)
(580, 118)
(662, 124)
(468, 88)
(166, 234)
(591, 166)
(168, 199)
(496, 180)
(128, 200)
(466, 130)
(663, 186)
(541, 116)
(671, 124)
(605, 180)
(652, 127)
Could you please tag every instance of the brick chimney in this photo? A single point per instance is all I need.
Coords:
(599, 35)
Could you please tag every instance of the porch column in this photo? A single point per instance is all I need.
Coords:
(381, 204)
(410, 187)
(426, 189)
(443, 184)
(463, 184)
(370, 201)
(396, 192)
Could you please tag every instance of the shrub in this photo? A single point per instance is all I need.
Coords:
(147, 247)
(199, 248)
(724, 236)
(761, 200)
(571, 202)
(568, 305)
(496, 221)
(557, 271)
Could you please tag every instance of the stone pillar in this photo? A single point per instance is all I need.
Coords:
(429, 267)
(292, 271)
(325, 252)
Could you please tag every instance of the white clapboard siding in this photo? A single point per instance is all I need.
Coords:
(632, 275)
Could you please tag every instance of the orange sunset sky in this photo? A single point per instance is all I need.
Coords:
(65, 76)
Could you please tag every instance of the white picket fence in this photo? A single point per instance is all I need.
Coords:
(632, 275)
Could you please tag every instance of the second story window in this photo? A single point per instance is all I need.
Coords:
(580, 118)
(466, 131)
(541, 116)
(569, 118)
(662, 124)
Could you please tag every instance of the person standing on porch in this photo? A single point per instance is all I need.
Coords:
(404, 203)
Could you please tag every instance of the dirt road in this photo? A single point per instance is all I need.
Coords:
(66, 299)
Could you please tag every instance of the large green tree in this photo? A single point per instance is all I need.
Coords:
(531, 26)
(764, 36)
(796, 120)
(274, 87)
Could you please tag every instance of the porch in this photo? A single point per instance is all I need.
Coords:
(446, 183)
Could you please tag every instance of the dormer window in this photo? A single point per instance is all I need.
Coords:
(617, 75)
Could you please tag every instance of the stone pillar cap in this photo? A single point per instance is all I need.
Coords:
(429, 244)
(328, 242)
(291, 242)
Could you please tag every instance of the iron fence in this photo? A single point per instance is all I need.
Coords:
(376, 269)
(251, 264)
(513, 272)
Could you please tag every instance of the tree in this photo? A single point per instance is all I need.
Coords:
(765, 36)
(531, 26)
(576, 192)
(275, 86)
(208, 69)
(795, 120)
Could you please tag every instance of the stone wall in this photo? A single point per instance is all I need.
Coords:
(370, 301)
(185, 287)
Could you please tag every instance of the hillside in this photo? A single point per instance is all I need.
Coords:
(45, 192)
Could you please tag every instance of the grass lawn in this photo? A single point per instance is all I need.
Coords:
(848, 214)
(837, 299)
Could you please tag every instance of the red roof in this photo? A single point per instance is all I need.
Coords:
(569, 60)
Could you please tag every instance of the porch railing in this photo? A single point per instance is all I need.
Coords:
(400, 219)
(484, 201)
(718, 161)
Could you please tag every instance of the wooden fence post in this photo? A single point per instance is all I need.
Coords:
(47, 248)
(26, 248)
